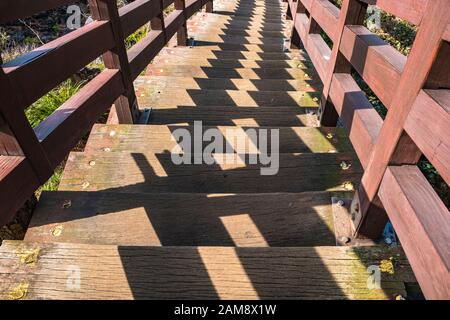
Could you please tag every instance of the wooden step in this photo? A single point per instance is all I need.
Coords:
(238, 32)
(239, 47)
(183, 219)
(160, 138)
(237, 116)
(203, 36)
(163, 82)
(230, 73)
(230, 63)
(246, 25)
(209, 53)
(49, 271)
(171, 98)
(150, 172)
(250, 16)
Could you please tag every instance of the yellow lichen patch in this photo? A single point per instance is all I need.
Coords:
(387, 266)
(19, 292)
(28, 256)
(57, 231)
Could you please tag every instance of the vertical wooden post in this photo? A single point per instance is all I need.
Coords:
(295, 37)
(157, 23)
(209, 7)
(126, 105)
(392, 142)
(17, 138)
(182, 34)
(352, 12)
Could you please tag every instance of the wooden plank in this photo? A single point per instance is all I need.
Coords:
(149, 172)
(171, 98)
(235, 73)
(206, 52)
(140, 55)
(214, 37)
(410, 10)
(163, 82)
(159, 138)
(59, 58)
(427, 124)
(11, 10)
(109, 272)
(420, 60)
(17, 184)
(237, 32)
(137, 13)
(63, 129)
(326, 15)
(319, 52)
(242, 116)
(361, 121)
(377, 62)
(229, 63)
(422, 223)
(241, 220)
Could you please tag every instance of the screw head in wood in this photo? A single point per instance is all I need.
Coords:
(57, 231)
(67, 204)
(340, 203)
(345, 165)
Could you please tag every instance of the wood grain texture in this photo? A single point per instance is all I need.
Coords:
(171, 219)
(149, 172)
(428, 120)
(377, 62)
(124, 272)
(160, 83)
(160, 139)
(241, 116)
(422, 223)
(361, 121)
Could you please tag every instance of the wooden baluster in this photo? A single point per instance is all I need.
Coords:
(393, 146)
(125, 106)
(182, 34)
(352, 13)
(295, 37)
(17, 138)
(209, 6)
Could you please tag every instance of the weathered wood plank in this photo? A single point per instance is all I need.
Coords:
(427, 124)
(326, 15)
(422, 223)
(159, 139)
(242, 116)
(207, 52)
(17, 183)
(60, 58)
(170, 98)
(137, 13)
(61, 131)
(377, 62)
(163, 82)
(109, 272)
(11, 10)
(232, 73)
(184, 219)
(149, 172)
(361, 121)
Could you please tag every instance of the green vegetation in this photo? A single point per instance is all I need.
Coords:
(42, 108)
(136, 36)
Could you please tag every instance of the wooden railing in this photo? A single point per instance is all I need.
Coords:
(415, 91)
(29, 156)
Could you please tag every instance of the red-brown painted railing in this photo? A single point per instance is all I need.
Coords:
(415, 89)
(29, 156)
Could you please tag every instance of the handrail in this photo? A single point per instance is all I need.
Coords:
(415, 91)
(29, 156)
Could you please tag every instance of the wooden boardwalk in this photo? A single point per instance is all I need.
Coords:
(129, 223)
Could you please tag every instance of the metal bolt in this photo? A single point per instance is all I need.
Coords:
(92, 163)
(345, 240)
(345, 165)
(67, 204)
(330, 136)
(85, 185)
(340, 203)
